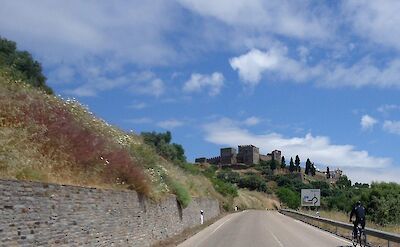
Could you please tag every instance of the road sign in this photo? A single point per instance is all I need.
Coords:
(310, 197)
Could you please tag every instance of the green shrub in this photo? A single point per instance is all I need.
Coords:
(182, 195)
(161, 142)
(229, 176)
(21, 66)
(253, 182)
(190, 168)
(30, 174)
(289, 197)
(224, 188)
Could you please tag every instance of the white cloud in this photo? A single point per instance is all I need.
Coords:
(144, 83)
(318, 148)
(155, 87)
(254, 63)
(386, 109)
(66, 31)
(387, 174)
(138, 105)
(367, 122)
(82, 91)
(276, 63)
(289, 18)
(377, 21)
(251, 121)
(143, 120)
(170, 124)
(303, 53)
(197, 82)
(361, 74)
(392, 127)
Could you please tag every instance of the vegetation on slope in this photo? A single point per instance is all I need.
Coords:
(46, 138)
(20, 65)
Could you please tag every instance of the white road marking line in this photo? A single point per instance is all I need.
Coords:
(206, 237)
(276, 239)
(221, 225)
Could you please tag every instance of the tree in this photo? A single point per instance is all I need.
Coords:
(161, 142)
(289, 197)
(297, 163)
(283, 162)
(21, 65)
(273, 163)
(308, 167)
(291, 165)
(343, 182)
(328, 173)
(313, 169)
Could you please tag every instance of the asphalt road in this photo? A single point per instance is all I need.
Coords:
(254, 228)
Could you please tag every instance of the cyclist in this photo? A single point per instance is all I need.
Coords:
(358, 211)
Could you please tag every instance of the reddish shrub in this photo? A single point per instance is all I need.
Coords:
(83, 145)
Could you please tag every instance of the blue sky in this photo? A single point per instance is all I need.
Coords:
(319, 79)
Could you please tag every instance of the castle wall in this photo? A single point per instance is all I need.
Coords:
(214, 160)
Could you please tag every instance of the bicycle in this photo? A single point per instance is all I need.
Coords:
(360, 237)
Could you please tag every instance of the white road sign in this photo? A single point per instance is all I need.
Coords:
(310, 197)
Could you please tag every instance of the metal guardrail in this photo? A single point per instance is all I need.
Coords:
(389, 237)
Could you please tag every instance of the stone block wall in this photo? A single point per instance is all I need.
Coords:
(40, 214)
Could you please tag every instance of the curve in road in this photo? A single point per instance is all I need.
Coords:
(256, 228)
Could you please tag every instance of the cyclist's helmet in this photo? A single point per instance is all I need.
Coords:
(358, 203)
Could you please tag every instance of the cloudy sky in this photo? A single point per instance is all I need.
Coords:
(320, 79)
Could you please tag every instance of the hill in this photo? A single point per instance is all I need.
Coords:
(50, 139)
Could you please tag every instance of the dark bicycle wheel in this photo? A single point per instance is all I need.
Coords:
(363, 240)
(353, 239)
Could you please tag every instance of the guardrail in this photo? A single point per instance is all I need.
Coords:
(319, 222)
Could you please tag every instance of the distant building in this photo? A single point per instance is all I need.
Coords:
(228, 156)
(336, 174)
(201, 160)
(247, 154)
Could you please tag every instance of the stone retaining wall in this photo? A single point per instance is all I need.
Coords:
(39, 214)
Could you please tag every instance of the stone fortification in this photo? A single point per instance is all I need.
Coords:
(247, 154)
(39, 214)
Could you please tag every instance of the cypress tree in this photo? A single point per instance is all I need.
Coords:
(297, 163)
(291, 165)
(308, 167)
(313, 169)
(283, 162)
(273, 163)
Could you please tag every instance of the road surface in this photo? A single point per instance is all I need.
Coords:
(256, 228)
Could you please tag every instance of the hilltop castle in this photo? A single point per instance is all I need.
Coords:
(248, 155)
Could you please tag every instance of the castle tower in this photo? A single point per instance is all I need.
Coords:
(248, 154)
(228, 156)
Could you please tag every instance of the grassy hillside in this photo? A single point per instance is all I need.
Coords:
(45, 138)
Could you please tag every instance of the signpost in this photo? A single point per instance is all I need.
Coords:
(310, 197)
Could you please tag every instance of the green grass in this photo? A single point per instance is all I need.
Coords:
(182, 194)
(49, 139)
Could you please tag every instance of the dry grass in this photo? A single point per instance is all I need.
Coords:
(340, 216)
(46, 138)
(255, 200)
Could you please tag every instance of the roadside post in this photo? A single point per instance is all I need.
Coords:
(201, 217)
